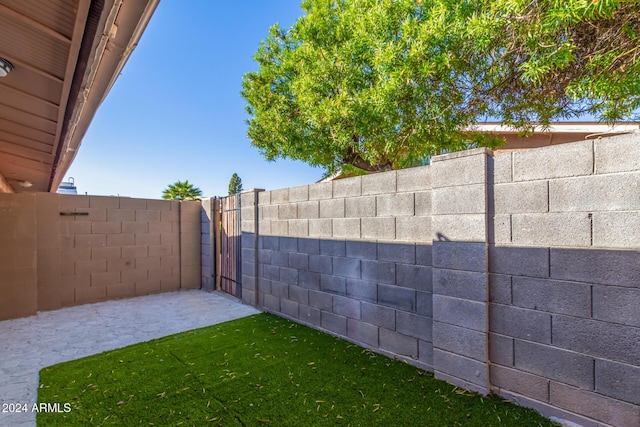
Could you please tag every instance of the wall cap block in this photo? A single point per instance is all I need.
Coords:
(460, 154)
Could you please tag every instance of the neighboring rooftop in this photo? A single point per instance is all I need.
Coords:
(557, 133)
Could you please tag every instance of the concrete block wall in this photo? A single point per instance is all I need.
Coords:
(248, 200)
(94, 248)
(18, 255)
(207, 245)
(190, 226)
(352, 257)
(516, 273)
(564, 279)
(459, 231)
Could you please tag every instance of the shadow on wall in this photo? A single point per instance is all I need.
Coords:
(374, 293)
(564, 330)
(551, 328)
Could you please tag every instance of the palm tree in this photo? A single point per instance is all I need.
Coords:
(182, 191)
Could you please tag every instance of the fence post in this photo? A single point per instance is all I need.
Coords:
(208, 245)
(217, 242)
(460, 269)
(249, 241)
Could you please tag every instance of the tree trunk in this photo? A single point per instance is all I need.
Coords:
(355, 159)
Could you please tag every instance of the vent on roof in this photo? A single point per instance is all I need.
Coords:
(68, 187)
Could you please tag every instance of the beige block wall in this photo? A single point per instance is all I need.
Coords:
(190, 258)
(18, 261)
(63, 250)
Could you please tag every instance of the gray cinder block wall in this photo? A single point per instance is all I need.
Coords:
(352, 257)
(459, 228)
(564, 276)
(207, 251)
(516, 274)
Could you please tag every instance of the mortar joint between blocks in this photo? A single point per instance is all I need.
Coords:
(548, 196)
(511, 164)
(593, 158)
(590, 215)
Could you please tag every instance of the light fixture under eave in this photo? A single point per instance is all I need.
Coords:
(5, 67)
(25, 184)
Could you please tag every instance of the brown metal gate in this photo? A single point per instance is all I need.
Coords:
(228, 245)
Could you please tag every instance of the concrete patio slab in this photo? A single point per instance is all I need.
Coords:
(32, 343)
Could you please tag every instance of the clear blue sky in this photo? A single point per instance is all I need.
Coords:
(176, 113)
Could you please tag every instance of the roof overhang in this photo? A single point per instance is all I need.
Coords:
(66, 56)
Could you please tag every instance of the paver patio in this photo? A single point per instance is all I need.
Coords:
(31, 343)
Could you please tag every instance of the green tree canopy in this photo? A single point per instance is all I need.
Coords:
(235, 184)
(382, 84)
(182, 191)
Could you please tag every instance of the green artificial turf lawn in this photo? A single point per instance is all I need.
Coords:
(261, 370)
